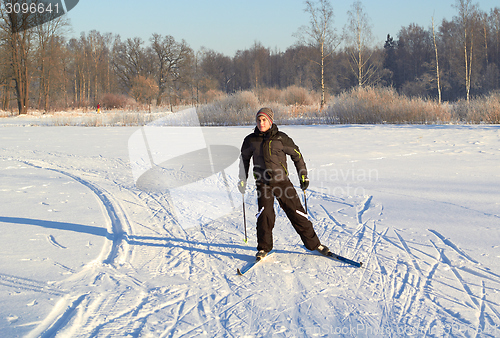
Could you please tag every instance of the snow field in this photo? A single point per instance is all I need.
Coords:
(87, 254)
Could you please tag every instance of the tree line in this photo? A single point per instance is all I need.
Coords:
(42, 69)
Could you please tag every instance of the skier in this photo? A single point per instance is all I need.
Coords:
(268, 146)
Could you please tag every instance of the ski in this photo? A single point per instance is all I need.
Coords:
(345, 260)
(250, 265)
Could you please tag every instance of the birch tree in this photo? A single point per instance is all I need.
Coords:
(466, 16)
(358, 36)
(320, 34)
(438, 78)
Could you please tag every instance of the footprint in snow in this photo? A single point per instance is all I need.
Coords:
(53, 241)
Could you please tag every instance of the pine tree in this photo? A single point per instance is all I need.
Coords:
(390, 64)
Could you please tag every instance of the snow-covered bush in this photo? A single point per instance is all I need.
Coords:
(295, 95)
(117, 101)
(383, 105)
(485, 109)
(236, 109)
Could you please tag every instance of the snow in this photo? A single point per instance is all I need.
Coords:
(86, 253)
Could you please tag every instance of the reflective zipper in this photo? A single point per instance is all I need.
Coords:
(286, 171)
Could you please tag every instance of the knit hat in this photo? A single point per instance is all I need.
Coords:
(267, 113)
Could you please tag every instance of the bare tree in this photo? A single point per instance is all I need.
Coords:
(6, 74)
(144, 90)
(19, 40)
(171, 58)
(438, 78)
(108, 40)
(495, 27)
(217, 67)
(96, 44)
(49, 49)
(467, 13)
(130, 60)
(321, 35)
(359, 37)
(260, 68)
(75, 50)
(485, 32)
(82, 72)
(494, 20)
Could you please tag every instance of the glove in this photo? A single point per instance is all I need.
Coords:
(304, 182)
(242, 185)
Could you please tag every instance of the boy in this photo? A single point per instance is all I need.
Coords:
(268, 146)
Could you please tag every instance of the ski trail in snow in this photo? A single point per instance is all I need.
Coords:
(482, 273)
(337, 223)
(29, 284)
(359, 230)
(118, 222)
(452, 245)
(57, 320)
(481, 320)
(376, 238)
(408, 251)
(328, 198)
(117, 252)
(494, 310)
(459, 278)
(363, 208)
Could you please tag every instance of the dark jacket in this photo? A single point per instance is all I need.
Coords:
(269, 152)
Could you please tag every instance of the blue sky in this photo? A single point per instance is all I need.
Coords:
(230, 25)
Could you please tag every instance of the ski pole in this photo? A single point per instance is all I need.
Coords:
(244, 218)
(305, 200)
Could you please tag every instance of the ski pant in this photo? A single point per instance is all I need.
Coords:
(289, 201)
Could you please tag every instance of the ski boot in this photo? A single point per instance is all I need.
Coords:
(323, 250)
(261, 254)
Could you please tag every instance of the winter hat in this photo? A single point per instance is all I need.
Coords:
(267, 113)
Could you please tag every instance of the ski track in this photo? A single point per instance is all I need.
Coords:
(408, 251)
(30, 285)
(192, 291)
(460, 280)
(361, 209)
(452, 245)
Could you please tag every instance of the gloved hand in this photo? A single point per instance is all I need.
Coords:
(242, 185)
(304, 182)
